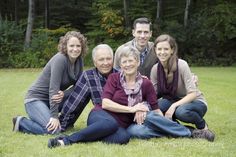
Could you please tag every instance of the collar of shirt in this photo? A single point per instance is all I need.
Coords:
(134, 44)
(102, 77)
(143, 54)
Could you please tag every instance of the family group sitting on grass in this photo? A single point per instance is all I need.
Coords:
(144, 94)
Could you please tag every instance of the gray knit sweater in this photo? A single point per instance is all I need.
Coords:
(58, 74)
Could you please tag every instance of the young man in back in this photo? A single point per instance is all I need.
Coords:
(142, 33)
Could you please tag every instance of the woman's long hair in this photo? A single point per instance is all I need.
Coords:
(172, 62)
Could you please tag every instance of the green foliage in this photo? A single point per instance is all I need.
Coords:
(106, 26)
(218, 18)
(178, 31)
(74, 12)
(212, 34)
(109, 21)
(11, 41)
(140, 8)
(27, 60)
(43, 47)
(112, 23)
(209, 38)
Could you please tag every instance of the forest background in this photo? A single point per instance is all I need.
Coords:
(30, 29)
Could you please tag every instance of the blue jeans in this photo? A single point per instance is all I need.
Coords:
(156, 125)
(192, 112)
(101, 127)
(39, 116)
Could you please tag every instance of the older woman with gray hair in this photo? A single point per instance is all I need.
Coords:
(43, 99)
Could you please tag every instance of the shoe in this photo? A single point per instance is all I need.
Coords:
(53, 142)
(205, 134)
(191, 128)
(16, 122)
(60, 137)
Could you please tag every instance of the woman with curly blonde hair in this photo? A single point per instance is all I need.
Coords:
(43, 99)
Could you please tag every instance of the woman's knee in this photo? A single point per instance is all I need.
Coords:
(164, 104)
(153, 116)
(182, 113)
(135, 130)
(147, 130)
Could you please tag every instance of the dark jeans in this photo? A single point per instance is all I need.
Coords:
(192, 112)
(101, 127)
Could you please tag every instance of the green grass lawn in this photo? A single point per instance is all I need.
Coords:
(218, 85)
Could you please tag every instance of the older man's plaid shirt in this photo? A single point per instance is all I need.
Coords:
(89, 86)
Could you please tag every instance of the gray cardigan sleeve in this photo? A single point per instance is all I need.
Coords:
(57, 71)
(153, 77)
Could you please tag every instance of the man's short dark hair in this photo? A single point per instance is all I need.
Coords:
(142, 20)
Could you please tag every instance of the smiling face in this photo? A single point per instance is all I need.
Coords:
(103, 60)
(142, 33)
(163, 51)
(73, 48)
(129, 65)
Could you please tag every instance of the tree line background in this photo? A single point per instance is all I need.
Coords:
(30, 29)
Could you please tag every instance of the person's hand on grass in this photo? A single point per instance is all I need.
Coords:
(53, 125)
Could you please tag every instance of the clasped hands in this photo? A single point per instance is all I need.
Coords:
(141, 113)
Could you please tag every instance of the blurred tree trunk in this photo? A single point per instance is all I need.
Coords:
(127, 22)
(186, 13)
(16, 11)
(30, 22)
(47, 14)
(159, 8)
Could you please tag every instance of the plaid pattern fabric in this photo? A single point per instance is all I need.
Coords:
(89, 86)
(143, 56)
